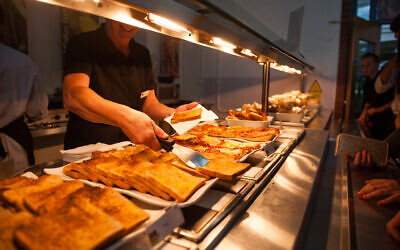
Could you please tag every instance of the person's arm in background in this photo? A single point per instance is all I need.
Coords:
(372, 111)
(36, 107)
(83, 101)
(364, 114)
(386, 78)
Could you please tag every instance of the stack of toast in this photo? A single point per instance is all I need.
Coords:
(49, 213)
(143, 169)
(160, 174)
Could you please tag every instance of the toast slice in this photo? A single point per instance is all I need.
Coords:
(115, 205)
(8, 223)
(39, 201)
(223, 169)
(140, 171)
(177, 183)
(16, 196)
(78, 171)
(104, 168)
(16, 182)
(77, 225)
(173, 159)
(126, 173)
(188, 115)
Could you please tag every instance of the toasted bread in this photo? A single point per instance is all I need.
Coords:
(8, 223)
(126, 173)
(188, 115)
(117, 206)
(77, 225)
(38, 201)
(140, 170)
(16, 182)
(78, 171)
(223, 169)
(16, 196)
(177, 183)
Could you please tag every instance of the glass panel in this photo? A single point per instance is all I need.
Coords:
(363, 48)
(388, 44)
(363, 9)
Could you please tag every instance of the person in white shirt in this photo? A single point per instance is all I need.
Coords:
(20, 95)
(390, 76)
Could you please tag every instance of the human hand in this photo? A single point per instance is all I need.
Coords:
(372, 111)
(187, 106)
(381, 187)
(393, 226)
(141, 129)
(363, 118)
(362, 159)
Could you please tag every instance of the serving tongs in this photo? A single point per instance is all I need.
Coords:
(190, 157)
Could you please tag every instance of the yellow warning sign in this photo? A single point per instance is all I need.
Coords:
(315, 90)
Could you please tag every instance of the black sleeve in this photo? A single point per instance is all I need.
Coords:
(78, 58)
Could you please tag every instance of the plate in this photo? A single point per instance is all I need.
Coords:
(249, 123)
(289, 117)
(147, 198)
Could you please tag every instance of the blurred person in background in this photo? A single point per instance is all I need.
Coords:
(376, 115)
(20, 95)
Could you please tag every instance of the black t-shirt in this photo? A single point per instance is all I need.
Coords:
(113, 76)
(374, 99)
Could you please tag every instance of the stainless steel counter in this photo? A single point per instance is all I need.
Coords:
(274, 219)
(272, 215)
(321, 120)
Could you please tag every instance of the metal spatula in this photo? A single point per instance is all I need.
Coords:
(188, 156)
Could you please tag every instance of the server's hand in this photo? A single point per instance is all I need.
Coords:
(361, 159)
(381, 187)
(185, 107)
(393, 226)
(141, 129)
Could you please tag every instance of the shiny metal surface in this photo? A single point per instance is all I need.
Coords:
(369, 220)
(321, 120)
(274, 220)
(48, 131)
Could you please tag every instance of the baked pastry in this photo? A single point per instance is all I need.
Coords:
(188, 115)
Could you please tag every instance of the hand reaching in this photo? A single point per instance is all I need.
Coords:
(381, 187)
(140, 128)
(393, 226)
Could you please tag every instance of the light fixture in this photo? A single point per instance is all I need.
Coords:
(248, 53)
(166, 23)
(222, 43)
(126, 18)
(285, 68)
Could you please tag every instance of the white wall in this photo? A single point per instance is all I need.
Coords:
(319, 43)
(44, 42)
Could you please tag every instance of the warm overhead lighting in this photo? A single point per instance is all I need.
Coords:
(96, 1)
(126, 18)
(248, 53)
(219, 41)
(166, 23)
(285, 68)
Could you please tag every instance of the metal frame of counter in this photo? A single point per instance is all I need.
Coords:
(272, 214)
